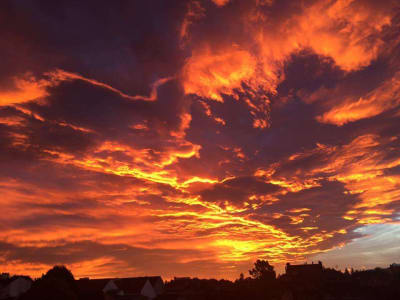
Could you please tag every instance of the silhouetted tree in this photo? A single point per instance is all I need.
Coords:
(60, 272)
(57, 284)
(262, 270)
(63, 274)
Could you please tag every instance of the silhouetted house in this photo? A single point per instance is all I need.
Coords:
(121, 288)
(157, 283)
(179, 284)
(14, 287)
(180, 288)
(94, 289)
(395, 268)
(4, 276)
(303, 281)
(305, 271)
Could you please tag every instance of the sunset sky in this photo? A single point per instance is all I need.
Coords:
(190, 138)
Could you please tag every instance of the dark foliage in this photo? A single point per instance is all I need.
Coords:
(330, 284)
(263, 271)
(57, 284)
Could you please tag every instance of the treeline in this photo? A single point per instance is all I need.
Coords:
(326, 284)
(57, 284)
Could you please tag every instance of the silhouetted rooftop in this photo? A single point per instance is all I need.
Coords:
(130, 285)
(304, 269)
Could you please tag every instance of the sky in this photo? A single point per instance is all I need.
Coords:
(190, 138)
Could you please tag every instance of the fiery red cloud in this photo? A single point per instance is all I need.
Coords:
(192, 138)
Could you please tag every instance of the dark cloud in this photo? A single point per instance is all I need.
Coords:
(326, 205)
(121, 255)
(129, 48)
(238, 190)
(85, 250)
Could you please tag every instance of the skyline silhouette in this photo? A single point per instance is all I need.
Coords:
(299, 282)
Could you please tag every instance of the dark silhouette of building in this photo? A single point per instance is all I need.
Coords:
(13, 287)
(303, 281)
(120, 288)
(305, 271)
(395, 268)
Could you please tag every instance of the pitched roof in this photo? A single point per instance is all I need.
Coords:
(6, 281)
(133, 285)
(153, 279)
(91, 285)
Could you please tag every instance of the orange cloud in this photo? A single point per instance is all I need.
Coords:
(383, 98)
(208, 75)
(360, 165)
(344, 30)
(220, 2)
(194, 13)
(26, 89)
(60, 75)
